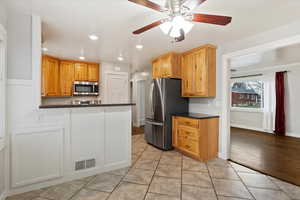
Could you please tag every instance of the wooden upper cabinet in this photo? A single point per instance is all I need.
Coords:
(81, 72)
(50, 76)
(199, 72)
(167, 66)
(66, 78)
(93, 72)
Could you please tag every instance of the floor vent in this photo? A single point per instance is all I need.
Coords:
(79, 165)
(90, 163)
(84, 164)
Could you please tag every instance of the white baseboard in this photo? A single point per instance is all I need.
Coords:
(249, 127)
(3, 196)
(291, 134)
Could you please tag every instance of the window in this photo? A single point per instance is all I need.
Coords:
(247, 94)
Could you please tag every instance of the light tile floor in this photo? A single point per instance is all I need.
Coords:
(158, 175)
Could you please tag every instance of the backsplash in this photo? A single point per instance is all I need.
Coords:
(66, 100)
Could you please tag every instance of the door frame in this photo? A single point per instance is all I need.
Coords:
(225, 113)
(4, 143)
(138, 113)
(105, 87)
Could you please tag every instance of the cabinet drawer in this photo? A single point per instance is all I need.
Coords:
(188, 122)
(188, 132)
(188, 145)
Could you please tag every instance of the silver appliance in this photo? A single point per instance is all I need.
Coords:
(85, 88)
(164, 100)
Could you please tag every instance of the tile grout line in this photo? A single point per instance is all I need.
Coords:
(213, 185)
(152, 176)
(242, 181)
(278, 187)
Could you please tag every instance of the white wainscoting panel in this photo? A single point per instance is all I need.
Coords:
(37, 155)
(118, 133)
(87, 138)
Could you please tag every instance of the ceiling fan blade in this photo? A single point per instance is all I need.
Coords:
(149, 4)
(148, 27)
(211, 19)
(192, 4)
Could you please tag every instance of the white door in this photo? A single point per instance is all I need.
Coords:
(141, 102)
(117, 89)
(2, 90)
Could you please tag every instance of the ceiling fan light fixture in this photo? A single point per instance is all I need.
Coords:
(180, 23)
(175, 32)
(166, 27)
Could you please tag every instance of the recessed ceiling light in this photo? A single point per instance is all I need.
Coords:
(93, 37)
(120, 58)
(44, 49)
(139, 46)
(81, 57)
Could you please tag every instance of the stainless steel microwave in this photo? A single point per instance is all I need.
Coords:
(85, 88)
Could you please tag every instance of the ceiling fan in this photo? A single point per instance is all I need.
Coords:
(178, 23)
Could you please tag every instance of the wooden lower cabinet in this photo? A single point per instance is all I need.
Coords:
(197, 138)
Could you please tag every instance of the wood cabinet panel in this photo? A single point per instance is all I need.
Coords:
(66, 78)
(81, 72)
(167, 66)
(200, 143)
(50, 76)
(93, 72)
(199, 72)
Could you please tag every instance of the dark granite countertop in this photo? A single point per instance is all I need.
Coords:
(196, 115)
(83, 105)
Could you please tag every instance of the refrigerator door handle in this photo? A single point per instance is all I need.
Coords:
(159, 84)
(151, 98)
(154, 123)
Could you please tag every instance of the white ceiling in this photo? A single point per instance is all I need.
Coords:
(67, 24)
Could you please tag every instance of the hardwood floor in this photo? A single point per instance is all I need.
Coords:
(276, 156)
(137, 130)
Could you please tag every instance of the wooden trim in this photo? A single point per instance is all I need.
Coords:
(199, 48)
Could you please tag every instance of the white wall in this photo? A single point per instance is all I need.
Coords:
(3, 14)
(19, 45)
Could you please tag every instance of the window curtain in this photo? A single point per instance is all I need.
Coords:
(269, 103)
(280, 104)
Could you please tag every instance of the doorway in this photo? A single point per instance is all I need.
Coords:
(252, 111)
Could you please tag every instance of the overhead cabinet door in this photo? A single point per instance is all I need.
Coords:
(66, 77)
(81, 72)
(50, 74)
(93, 72)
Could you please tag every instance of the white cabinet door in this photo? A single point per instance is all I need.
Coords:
(87, 135)
(117, 136)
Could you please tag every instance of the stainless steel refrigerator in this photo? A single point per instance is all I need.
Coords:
(164, 100)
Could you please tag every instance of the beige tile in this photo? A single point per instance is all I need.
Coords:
(200, 179)
(197, 193)
(139, 176)
(129, 191)
(120, 172)
(223, 173)
(266, 194)
(40, 198)
(228, 198)
(164, 185)
(257, 180)
(291, 190)
(149, 155)
(62, 191)
(190, 164)
(104, 182)
(152, 149)
(87, 179)
(85, 194)
(152, 196)
(146, 164)
(26, 196)
(240, 168)
(218, 162)
(171, 154)
(171, 171)
(231, 188)
(169, 160)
